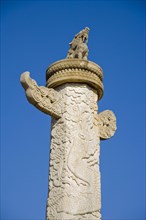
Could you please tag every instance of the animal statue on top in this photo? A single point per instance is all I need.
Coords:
(78, 46)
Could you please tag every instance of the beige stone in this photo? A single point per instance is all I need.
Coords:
(75, 70)
(78, 46)
(41, 97)
(74, 181)
(73, 88)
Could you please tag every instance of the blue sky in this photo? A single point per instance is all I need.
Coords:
(36, 34)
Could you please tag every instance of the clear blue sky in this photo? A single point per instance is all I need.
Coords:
(37, 33)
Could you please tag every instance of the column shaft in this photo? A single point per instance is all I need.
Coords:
(74, 179)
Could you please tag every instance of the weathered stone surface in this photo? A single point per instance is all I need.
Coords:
(75, 70)
(46, 100)
(74, 181)
(78, 46)
(74, 86)
(106, 122)
(74, 184)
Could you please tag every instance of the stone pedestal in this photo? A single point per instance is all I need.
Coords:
(73, 90)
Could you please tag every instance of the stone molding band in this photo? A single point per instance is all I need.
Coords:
(75, 70)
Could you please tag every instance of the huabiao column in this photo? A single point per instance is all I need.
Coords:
(73, 88)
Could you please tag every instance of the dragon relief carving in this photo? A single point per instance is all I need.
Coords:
(74, 180)
(74, 160)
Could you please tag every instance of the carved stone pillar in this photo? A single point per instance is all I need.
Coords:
(72, 91)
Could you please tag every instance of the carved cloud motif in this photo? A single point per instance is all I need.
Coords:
(41, 97)
(106, 121)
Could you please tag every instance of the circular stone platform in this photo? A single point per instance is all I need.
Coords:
(75, 70)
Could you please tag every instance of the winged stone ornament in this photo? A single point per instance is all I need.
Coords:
(43, 98)
(106, 121)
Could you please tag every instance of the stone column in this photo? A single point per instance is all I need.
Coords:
(73, 89)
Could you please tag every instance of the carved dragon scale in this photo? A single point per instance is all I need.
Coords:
(74, 86)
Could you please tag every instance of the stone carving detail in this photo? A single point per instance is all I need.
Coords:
(73, 87)
(106, 122)
(46, 100)
(74, 179)
(74, 64)
(78, 46)
(74, 158)
(75, 70)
